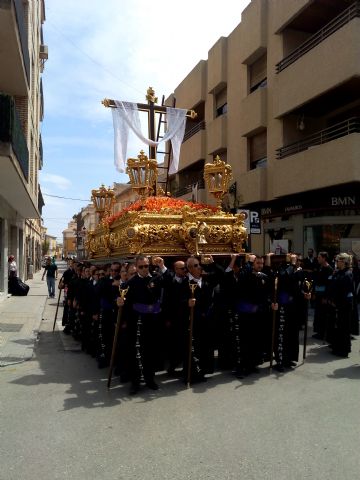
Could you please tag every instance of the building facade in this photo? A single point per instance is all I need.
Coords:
(22, 56)
(279, 100)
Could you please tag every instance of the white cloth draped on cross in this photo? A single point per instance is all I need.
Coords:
(126, 115)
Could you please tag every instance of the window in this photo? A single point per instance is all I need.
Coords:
(257, 74)
(258, 150)
(221, 103)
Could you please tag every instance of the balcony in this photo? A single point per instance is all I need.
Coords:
(193, 148)
(338, 22)
(14, 161)
(195, 129)
(182, 191)
(336, 61)
(11, 133)
(14, 59)
(253, 112)
(192, 90)
(347, 127)
(252, 186)
(330, 157)
(217, 135)
(217, 66)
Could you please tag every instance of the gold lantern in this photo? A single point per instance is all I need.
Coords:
(103, 199)
(217, 176)
(143, 174)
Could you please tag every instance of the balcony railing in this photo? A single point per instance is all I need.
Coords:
(41, 153)
(11, 132)
(188, 188)
(21, 23)
(342, 19)
(352, 125)
(195, 129)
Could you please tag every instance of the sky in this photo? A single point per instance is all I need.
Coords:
(112, 49)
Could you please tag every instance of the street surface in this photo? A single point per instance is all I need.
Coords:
(58, 421)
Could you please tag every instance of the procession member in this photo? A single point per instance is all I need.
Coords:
(228, 331)
(321, 308)
(340, 296)
(141, 310)
(253, 301)
(73, 294)
(106, 316)
(64, 284)
(289, 299)
(176, 314)
(310, 263)
(205, 276)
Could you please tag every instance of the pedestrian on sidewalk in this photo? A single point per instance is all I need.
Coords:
(51, 271)
(12, 267)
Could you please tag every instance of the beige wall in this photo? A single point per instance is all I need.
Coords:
(275, 107)
(338, 56)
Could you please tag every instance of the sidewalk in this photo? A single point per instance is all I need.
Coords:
(20, 319)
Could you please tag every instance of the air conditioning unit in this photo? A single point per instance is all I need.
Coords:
(44, 54)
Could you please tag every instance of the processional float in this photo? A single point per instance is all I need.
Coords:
(156, 223)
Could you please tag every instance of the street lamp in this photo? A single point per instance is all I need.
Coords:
(217, 176)
(103, 199)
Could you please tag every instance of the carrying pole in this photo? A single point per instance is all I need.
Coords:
(191, 327)
(123, 292)
(57, 306)
(308, 286)
(274, 313)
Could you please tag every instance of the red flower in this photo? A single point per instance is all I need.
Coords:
(158, 205)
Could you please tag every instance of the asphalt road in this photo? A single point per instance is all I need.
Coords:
(58, 421)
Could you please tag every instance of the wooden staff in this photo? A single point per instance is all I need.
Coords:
(192, 288)
(57, 306)
(273, 325)
(123, 292)
(308, 286)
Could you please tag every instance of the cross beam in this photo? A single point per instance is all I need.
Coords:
(152, 109)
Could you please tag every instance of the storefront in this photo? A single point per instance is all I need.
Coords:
(326, 219)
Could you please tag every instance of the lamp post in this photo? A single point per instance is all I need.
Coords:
(217, 177)
(142, 172)
(103, 199)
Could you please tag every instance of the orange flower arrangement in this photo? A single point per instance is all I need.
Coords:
(159, 205)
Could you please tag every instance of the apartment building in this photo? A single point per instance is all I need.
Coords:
(279, 100)
(22, 57)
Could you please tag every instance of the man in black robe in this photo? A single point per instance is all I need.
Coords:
(142, 306)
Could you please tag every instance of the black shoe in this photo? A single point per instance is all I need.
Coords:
(318, 336)
(67, 330)
(152, 385)
(279, 368)
(134, 388)
(340, 354)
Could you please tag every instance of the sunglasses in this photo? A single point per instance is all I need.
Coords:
(140, 267)
(181, 268)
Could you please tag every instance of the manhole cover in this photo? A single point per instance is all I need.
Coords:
(11, 327)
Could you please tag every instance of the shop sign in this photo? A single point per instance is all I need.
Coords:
(251, 220)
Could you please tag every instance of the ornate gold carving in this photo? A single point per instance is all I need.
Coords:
(172, 231)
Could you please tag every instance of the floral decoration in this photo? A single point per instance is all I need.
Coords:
(161, 205)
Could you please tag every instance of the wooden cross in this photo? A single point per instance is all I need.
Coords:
(152, 109)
